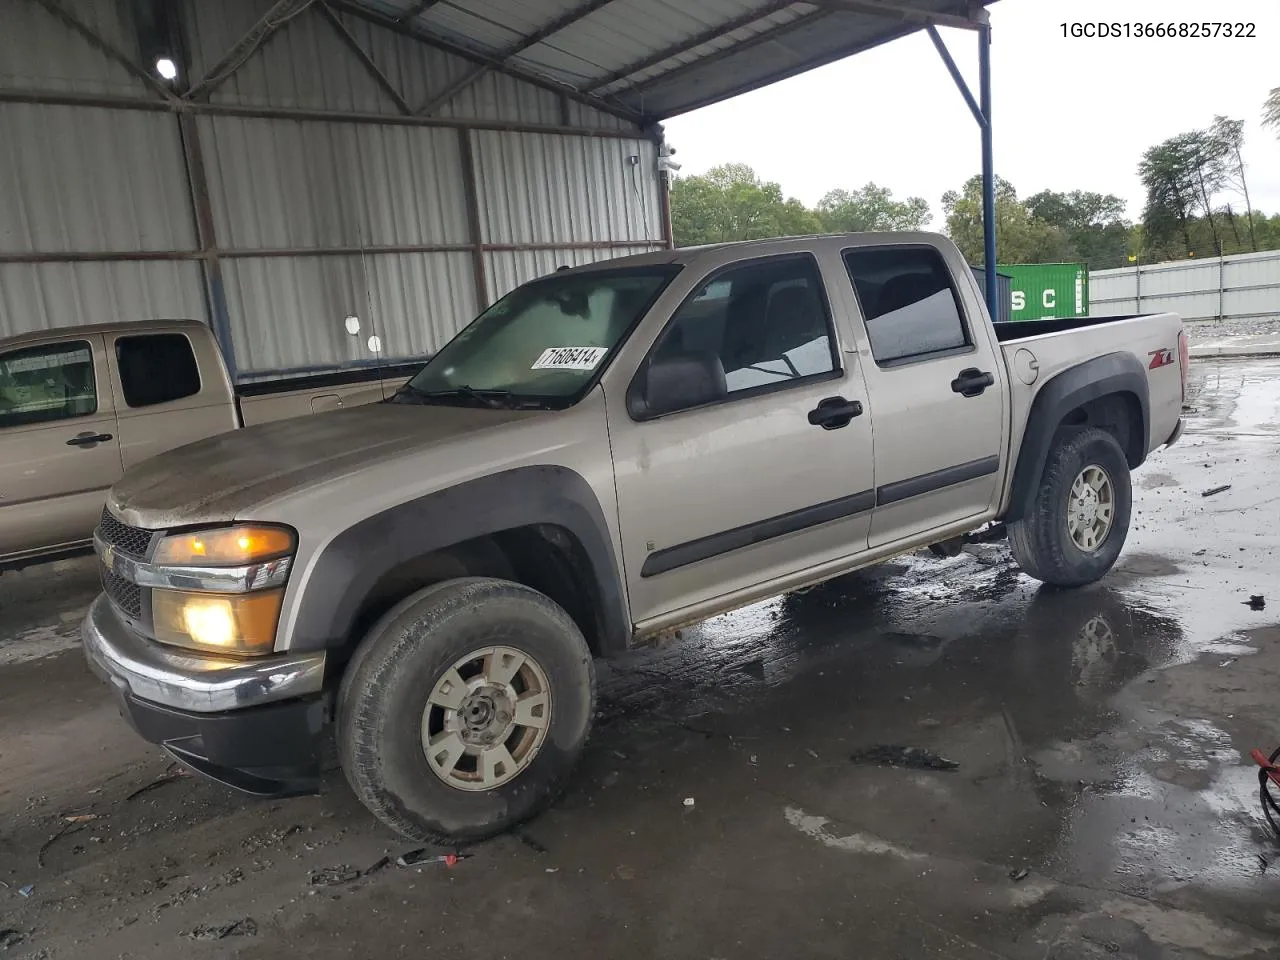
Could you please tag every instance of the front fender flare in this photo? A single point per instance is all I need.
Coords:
(349, 567)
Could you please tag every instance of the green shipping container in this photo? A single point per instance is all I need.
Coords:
(1043, 290)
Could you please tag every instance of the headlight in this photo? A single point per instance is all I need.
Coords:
(224, 546)
(243, 624)
(220, 590)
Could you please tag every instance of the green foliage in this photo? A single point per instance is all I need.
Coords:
(1271, 110)
(871, 208)
(731, 202)
(1093, 223)
(1021, 237)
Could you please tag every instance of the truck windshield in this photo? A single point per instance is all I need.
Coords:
(543, 342)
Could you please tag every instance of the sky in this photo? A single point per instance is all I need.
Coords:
(1068, 113)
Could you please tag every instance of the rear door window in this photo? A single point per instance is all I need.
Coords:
(909, 304)
(156, 368)
(47, 383)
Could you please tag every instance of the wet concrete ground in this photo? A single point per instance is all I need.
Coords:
(1101, 737)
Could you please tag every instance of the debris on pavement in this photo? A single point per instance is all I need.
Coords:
(1256, 602)
(11, 938)
(244, 927)
(381, 864)
(1228, 662)
(80, 817)
(1019, 875)
(1214, 491)
(530, 842)
(65, 830)
(27, 890)
(332, 876)
(420, 857)
(916, 758)
(689, 801)
(171, 775)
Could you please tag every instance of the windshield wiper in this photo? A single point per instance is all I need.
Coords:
(496, 399)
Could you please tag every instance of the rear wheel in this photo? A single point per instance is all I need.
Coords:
(1076, 526)
(465, 710)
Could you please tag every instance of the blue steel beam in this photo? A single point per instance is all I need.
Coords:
(988, 171)
(981, 109)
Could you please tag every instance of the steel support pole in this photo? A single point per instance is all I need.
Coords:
(988, 170)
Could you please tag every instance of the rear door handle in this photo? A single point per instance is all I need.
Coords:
(88, 439)
(834, 413)
(972, 382)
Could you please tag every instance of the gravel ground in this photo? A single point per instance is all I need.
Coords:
(1207, 331)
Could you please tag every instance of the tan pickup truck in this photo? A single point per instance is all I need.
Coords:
(605, 453)
(80, 405)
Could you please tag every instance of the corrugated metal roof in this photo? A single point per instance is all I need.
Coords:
(658, 58)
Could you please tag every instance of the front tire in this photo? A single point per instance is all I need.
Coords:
(1076, 526)
(465, 710)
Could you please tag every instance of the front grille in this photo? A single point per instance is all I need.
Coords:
(125, 595)
(131, 540)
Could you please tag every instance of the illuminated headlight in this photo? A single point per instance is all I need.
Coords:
(237, 623)
(220, 590)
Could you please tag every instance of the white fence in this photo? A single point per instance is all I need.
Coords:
(1240, 287)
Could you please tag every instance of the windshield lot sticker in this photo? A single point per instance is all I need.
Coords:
(570, 358)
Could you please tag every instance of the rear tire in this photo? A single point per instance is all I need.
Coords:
(431, 678)
(1075, 527)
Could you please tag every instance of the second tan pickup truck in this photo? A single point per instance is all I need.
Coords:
(80, 405)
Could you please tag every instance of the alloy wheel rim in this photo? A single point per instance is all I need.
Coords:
(1091, 508)
(486, 718)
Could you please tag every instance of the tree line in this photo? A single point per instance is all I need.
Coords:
(1197, 205)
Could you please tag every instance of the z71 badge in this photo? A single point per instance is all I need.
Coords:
(1160, 358)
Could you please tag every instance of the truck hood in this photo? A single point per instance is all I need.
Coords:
(223, 477)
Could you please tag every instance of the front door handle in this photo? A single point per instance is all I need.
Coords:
(88, 439)
(972, 382)
(834, 413)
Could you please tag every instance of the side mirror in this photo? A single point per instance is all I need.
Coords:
(677, 382)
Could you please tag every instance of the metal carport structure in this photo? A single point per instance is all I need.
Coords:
(438, 151)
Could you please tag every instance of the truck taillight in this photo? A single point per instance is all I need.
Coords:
(1184, 360)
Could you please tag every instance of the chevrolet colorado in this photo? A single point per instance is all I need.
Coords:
(605, 453)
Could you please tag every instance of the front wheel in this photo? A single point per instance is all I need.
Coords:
(465, 710)
(1076, 526)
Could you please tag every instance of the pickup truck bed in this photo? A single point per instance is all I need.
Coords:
(606, 453)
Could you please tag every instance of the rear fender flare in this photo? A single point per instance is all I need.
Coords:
(352, 564)
(1110, 374)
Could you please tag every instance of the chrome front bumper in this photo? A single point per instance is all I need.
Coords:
(183, 681)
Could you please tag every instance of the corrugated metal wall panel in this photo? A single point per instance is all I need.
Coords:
(288, 312)
(421, 300)
(507, 269)
(1243, 286)
(38, 52)
(91, 180)
(47, 295)
(278, 183)
(542, 188)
